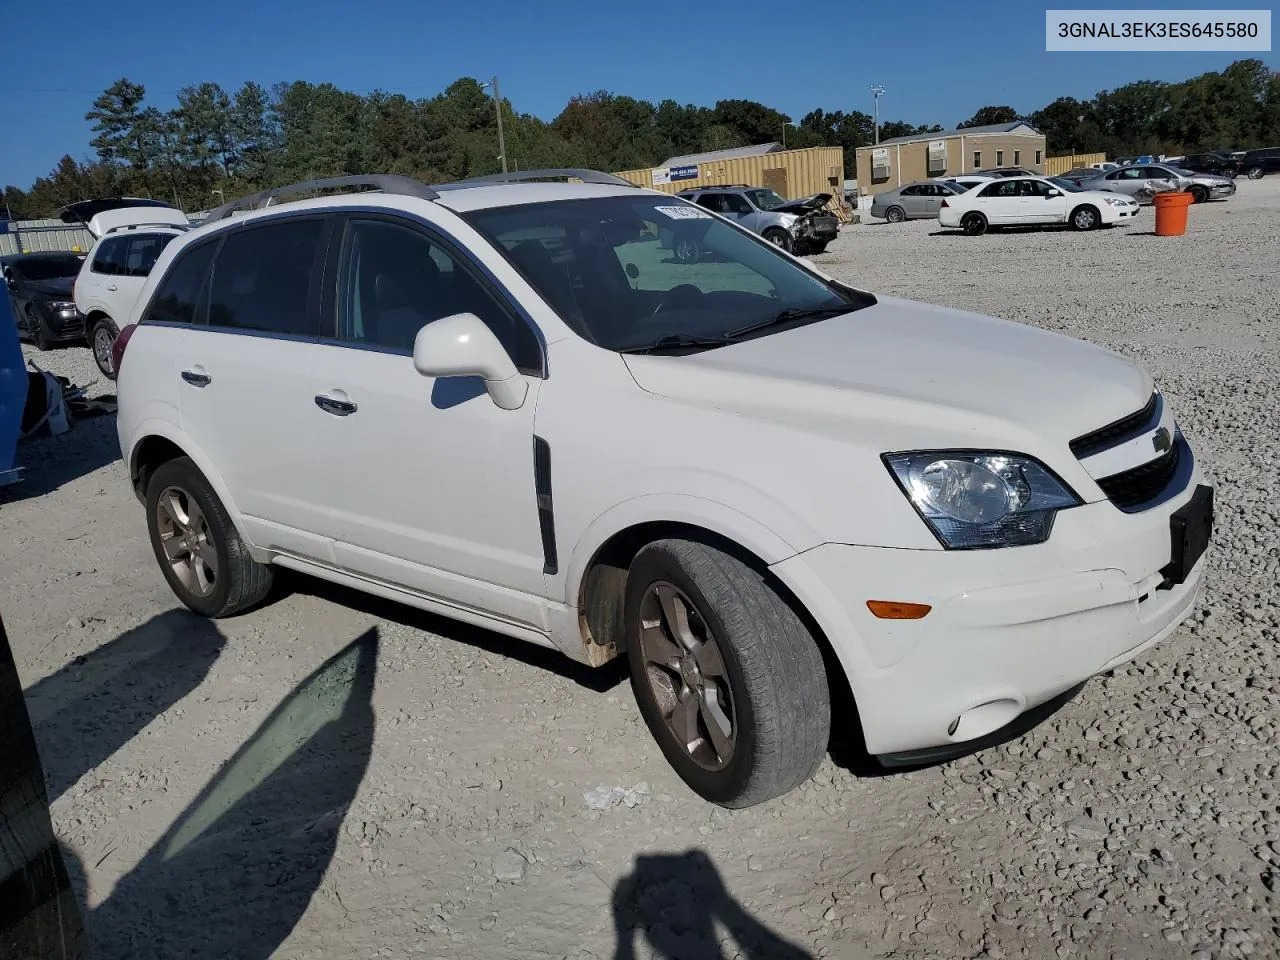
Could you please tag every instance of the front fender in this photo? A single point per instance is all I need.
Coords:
(747, 530)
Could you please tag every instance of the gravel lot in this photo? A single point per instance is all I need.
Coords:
(371, 816)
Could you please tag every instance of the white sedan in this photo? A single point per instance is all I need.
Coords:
(1018, 201)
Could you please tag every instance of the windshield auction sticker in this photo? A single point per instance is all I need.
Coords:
(684, 213)
(1157, 30)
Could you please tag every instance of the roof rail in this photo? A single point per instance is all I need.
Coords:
(387, 183)
(554, 173)
(144, 226)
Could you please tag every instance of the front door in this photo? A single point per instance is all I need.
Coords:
(1041, 202)
(429, 484)
(244, 390)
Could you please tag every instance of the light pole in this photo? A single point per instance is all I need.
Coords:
(222, 197)
(877, 92)
(785, 121)
(497, 103)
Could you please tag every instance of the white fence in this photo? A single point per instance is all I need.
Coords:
(37, 236)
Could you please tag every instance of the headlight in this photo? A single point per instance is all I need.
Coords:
(62, 306)
(975, 500)
(1117, 202)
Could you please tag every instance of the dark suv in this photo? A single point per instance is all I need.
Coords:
(1258, 163)
(1215, 163)
(41, 288)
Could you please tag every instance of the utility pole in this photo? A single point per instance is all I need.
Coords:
(877, 92)
(784, 132)
(497, 103)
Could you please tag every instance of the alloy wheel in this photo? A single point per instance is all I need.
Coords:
(1085, 219)
(686, 674)
(187, 541)
(102, 341)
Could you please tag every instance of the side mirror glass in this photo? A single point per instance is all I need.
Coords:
(1055, 193)
(462, 346)
(632, 271)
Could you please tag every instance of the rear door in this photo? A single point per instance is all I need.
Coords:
(244, 372)
(931, 199)
(99, 280)
(998, 201)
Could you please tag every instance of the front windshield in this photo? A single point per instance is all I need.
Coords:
(629, 271)
(48, 268)
(765, 199)
(1066, 184)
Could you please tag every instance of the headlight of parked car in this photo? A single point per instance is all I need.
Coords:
(1118, 202)
(62, 306)
(976, 500)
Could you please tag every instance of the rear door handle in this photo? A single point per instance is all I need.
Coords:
(112, 287)
(197, 377)
(339, 408)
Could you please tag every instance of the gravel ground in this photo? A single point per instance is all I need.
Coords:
(333, 776)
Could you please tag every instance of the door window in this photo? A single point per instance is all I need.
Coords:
(179, 295)
(912, 191)
(109, 257)
(143, 251)
(1001, 188)
(712, 201)
(394, 280)
(734, 203)
(262, 279)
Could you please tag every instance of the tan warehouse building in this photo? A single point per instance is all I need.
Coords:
(948, 154)
(792, 173)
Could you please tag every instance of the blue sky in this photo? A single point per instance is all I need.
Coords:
(938, 62)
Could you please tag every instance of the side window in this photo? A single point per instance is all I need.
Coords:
(179, 293)
(394, 280)
(143, 251)
(711, 201)
(262, 278)
(911, 191)
(733, 203)
(1001, 188)
(109, 258)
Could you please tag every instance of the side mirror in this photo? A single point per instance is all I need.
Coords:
(633, 271)
(462, 346)
(1055, 193)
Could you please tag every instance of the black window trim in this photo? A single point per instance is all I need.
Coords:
(432, 233)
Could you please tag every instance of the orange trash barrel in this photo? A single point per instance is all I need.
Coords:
(1171, 213)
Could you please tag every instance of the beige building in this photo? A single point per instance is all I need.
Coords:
(792, 173)
(948, 154)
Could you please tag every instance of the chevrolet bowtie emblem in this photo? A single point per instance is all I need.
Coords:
(1161, 440)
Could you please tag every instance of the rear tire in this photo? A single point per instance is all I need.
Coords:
(102, 335)
(974, 224)
(730, 652)
(1085, 217)
(779, 238)
(895, 215)
(1256, 173)
(199, 551)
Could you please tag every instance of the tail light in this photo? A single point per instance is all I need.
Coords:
(944, 203)
(117, 347)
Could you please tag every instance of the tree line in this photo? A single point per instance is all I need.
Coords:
(214, 145)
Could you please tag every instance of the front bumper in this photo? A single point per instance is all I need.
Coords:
(63, 325)
(1222, 190)
(1008, 630)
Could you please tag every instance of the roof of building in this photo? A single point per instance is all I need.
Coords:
(714, 156)
(965, 132)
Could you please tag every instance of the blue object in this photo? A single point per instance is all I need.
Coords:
(689, 172)
(13, 389)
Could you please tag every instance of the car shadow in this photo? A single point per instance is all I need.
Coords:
(678, 902)
(599, 679)
(48, 463)
(236, 871)
(98, 702)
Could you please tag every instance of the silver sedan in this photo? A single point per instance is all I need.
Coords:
(913, 201)
(1140, 179)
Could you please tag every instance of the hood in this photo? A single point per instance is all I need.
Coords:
(59, 288)
(809, 204)
(912, 374)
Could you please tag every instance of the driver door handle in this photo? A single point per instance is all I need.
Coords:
(197, 378)
(339, 408)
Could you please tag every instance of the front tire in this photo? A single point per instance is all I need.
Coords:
(39, 332)
(102, 335)
(895, 214)
(974, 224)
(199, 551)
(1085, 217)
(727, 677)
(1198, 194)
(779, 238)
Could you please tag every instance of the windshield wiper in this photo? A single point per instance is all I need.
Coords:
(678, 341)
(790, 315)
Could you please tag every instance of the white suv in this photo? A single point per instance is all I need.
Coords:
(506, 403)
(129, 242)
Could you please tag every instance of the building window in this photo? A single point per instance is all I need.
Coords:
(977, 159)
(1017, 158)
(999, 158)
(1039, 159)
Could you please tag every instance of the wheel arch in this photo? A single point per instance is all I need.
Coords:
(159, 442)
